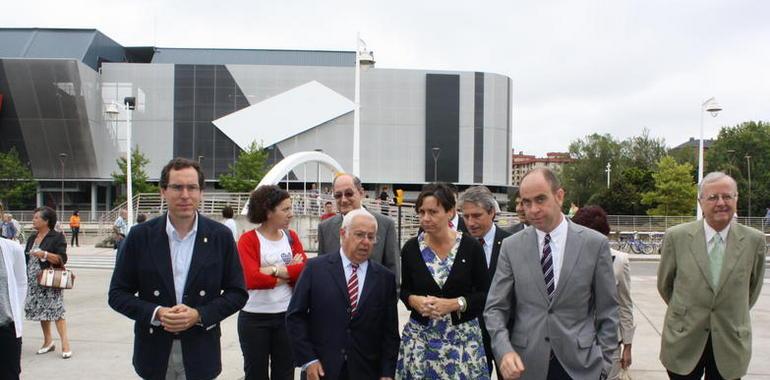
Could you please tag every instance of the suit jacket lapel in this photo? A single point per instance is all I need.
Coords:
(733, 252)
(573, 246)
(334, 234)
(699, 251)
(162, 257)
(498, 241)
(200, 255)
(370, 282)
(338, 274)
(532, 258)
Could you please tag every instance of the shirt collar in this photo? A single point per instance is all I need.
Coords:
(489, 237)
(346, 263)
(171, 231)
(710, 232)
(557, 232)
(456, 221)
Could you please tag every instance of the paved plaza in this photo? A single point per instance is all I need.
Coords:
(102, 340)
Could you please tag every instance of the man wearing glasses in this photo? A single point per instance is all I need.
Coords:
(348, 193)
(350, 332)
(177, 276)
(710, 275)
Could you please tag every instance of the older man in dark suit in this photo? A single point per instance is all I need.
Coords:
(178, 276)
(342, 319)
(348, 192)
(479, 209)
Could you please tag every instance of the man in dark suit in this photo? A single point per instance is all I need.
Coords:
(177, 276)
(342, 319)
(479, 209)
(348, 192)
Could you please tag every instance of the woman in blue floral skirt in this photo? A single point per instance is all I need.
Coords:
(444, 285)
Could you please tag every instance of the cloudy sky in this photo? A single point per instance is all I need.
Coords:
(578, 67)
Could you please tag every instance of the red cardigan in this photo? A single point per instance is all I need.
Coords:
(248, 250)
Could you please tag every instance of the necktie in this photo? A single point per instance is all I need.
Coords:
(716, 255)
(482, 242)
(546, 261)
(353, 288)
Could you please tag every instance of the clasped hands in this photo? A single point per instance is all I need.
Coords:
(177, 318)
(433, 307)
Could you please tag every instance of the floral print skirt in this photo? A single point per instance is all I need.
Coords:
(441, 350)
(43, 304)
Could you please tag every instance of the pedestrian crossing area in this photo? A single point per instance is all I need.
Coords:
(106, 261)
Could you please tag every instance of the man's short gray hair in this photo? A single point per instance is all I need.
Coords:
(714, 177)
(480, 196)
(347, 220)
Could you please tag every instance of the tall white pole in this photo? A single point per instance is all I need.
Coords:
(698, 211)
(129, 177)
(357, 113)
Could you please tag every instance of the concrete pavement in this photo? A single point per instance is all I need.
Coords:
(102, 340)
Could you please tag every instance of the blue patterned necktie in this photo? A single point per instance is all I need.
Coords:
(546, 261)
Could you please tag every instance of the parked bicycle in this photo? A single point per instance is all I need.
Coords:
(630, 242)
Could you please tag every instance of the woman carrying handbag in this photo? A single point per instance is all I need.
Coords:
(47, 248)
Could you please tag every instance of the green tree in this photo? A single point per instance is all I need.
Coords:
(586, 176)
(138, 175)
(246, 172)
(728, 154)
(675, 191)
(17, 186)
(624, 197)
(642, 151)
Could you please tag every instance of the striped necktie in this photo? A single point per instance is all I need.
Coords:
(353, 288)
(546, 261)
(716, 256)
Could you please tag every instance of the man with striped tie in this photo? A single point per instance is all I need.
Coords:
(555, 280)
(348, 330)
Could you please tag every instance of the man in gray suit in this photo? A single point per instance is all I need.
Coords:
(555, 280)
(348, 193)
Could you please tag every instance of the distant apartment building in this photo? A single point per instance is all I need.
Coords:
(522, 163)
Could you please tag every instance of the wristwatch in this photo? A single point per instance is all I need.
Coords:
(275, 270)
(461, 302)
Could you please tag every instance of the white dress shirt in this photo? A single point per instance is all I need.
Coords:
(181, 249)
(558, 242)
(710, 232)
(16, 274)
(489, 241)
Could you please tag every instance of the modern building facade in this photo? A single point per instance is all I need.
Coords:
(55, 85)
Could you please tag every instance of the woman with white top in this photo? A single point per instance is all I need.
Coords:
(13, 291)
(272, 258)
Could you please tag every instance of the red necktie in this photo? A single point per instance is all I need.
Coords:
(353, 288)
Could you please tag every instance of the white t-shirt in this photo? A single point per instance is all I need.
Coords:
(274, 300)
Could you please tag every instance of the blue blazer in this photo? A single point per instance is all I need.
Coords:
(214, 287)
(320, 326)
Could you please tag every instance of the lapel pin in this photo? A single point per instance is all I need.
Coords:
(205, 239)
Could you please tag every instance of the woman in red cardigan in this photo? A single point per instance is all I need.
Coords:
(272, 258)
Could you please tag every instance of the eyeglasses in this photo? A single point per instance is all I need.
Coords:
(360, 236)
(178, 188)
(713, 198)
(347, 194)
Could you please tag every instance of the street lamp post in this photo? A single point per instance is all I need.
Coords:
(130, 104)
(62, 157)
(609, 170)
(711, 106)
(435, 152)
(748, 164)
(731, 153)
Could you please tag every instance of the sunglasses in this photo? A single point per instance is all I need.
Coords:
(347, 194)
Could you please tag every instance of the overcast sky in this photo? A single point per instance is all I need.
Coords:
(577, 67)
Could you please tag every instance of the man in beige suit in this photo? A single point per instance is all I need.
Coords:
(710, 275)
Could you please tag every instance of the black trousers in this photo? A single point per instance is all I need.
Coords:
(555, 370)
(75, 233)
(10, 347)
(706, 364)
(265, 344)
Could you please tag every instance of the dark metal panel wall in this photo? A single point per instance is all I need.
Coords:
(442, 126)
(478, 128)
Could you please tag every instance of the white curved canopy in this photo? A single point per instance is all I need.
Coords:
(282, 168)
